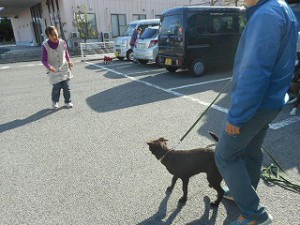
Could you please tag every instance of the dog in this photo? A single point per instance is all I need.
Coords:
(184, 164)
(107, 60)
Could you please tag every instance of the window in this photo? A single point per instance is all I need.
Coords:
(198, 24)
(138, 16)
(171, 24)
(157, 16)
(118, 22)
(149, 33)
(228, 23)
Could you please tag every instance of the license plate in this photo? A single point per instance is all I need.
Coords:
(116, 54)
(168, 61)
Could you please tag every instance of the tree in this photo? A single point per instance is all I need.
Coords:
(84, 26)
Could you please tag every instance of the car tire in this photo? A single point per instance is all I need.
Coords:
(171, 69)
(143, 61)
(198, 67)
(129, 55)
(120, 58)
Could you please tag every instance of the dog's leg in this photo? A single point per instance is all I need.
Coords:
(174, 179)
(215, 182)
(185, 182)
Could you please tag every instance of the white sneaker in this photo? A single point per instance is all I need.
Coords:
(69, 105)
(293, 112)
(54, 105)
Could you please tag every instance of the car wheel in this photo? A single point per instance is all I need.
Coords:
(171, 69)
(198, 67)
(129, 55)
(143, 61)
(120, 58)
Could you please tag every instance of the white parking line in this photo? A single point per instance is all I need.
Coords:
(274, 126)
(20, 66)
(161, 88)
(201, 83)
(149, 71)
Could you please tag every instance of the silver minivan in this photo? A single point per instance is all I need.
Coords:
(147, 46)
(122, 47)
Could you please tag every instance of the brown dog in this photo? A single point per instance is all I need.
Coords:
(186, 163)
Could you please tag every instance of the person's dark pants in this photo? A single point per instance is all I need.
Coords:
(295, 90)
(239, 160)
(66, 91)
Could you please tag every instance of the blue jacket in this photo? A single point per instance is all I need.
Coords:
(264, 61)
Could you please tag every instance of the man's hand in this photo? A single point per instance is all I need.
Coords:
(231, 129)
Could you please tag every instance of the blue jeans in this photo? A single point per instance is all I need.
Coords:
(239, 159)
(66, 91)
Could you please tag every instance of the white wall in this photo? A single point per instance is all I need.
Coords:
(104, 8)
(23, 29)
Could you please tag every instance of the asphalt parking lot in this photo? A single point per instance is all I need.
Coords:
(91, 164)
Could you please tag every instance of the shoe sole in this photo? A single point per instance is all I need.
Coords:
(228, 198)
(292, 101)
(269, 221)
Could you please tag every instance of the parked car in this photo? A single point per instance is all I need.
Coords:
(196, 37)
(122, 47)
(147, 46)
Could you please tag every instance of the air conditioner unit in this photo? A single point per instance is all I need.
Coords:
(106, 36)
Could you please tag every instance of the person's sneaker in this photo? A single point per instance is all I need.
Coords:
(243, 221)
(293, 112)
(54, 105)
(227, 194)
(69, 105)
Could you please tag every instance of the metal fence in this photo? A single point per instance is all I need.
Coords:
(96, 50)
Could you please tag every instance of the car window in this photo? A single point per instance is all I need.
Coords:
(227, 23)
(198, 24)
(171, 25)
(129, 29)
(149, 33)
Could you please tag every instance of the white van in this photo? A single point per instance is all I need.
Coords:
(122, 47)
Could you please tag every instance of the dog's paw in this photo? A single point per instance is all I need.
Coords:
(169, 189)
(213, 205)
(182, 200)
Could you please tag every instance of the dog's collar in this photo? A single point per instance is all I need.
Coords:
(165, 155)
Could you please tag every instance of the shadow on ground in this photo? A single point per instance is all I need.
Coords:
(21, 122)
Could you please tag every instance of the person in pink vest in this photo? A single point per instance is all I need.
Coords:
(56, 58)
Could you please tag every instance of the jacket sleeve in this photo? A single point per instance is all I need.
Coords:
(261, 47)
(45, 57)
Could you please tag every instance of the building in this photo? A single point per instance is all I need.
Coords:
(105, 18)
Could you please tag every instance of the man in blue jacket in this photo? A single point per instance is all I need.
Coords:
(263, 70)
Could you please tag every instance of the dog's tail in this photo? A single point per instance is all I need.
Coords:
(214, 136)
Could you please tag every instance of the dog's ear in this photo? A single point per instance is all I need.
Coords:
(149, 142)
(162, 139)
(214, 136)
